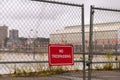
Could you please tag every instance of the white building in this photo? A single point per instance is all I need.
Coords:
(103, 34)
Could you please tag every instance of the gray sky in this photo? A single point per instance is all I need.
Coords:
(34, 18)
(112, 4)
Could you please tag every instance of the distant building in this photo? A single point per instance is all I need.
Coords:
(13, 34)
(38, 42)
(3, 35)
(13, 41)
(36, 45)
(105, 36)
(41, 42)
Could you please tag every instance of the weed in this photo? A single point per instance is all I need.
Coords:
(109, 57)
(97, 67)
(21, 72)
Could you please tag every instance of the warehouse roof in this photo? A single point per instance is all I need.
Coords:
(96, 27)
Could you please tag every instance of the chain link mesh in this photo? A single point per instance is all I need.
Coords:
(26, 29)
(106, 40)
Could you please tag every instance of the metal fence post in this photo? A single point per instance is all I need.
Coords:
(90, 56)
(83, 43)
(119, 65)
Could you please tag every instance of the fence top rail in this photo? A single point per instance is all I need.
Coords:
(105, 9)
(102, 62)
(61, 3)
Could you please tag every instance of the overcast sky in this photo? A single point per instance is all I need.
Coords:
(112, 4)
(33, 18)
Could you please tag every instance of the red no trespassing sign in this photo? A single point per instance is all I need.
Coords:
(60, 55)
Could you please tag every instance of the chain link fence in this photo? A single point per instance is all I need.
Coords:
(26, 29)
(104, 41)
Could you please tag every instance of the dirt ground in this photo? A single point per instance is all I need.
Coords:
(96, 75)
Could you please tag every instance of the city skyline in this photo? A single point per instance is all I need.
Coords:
(45, 18)
(16, 32)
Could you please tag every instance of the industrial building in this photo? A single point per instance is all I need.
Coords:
(105, 35)
(13, 34)
(3, 35)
